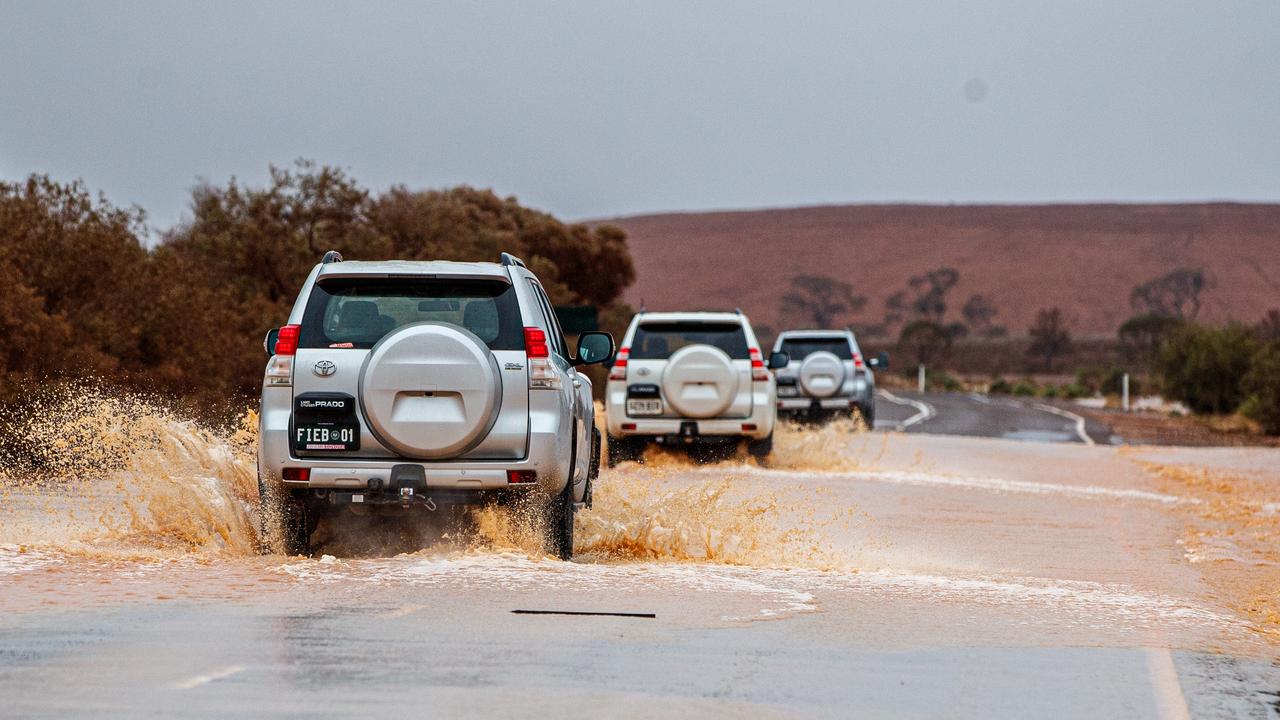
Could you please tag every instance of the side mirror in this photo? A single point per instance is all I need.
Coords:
(269, 342)
(880, 362)
(779, 360)
(594, 347)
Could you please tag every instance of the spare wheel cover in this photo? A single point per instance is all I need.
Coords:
(821, 374)
(700, 381)
(430, 390)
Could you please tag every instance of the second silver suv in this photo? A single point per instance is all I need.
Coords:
(690, 379)
(413, 384)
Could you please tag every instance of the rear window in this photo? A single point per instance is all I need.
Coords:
(801, 348)
(358, 312)
(657, 341)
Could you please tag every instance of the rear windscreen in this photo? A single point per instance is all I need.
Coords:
(358, 312)
(657, 341)
(801, 348)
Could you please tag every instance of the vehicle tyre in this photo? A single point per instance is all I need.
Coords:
(593, 470)
(625, 449)
(559, 518)
(868, 414)
(294, 521)
(762, 448)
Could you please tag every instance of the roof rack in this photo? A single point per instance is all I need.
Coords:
(738, 310)
(509, 259)
(332, 256)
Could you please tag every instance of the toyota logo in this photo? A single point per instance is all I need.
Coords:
(325, 368)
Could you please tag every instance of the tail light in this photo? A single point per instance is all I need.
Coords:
(758, 371)
(542, 374)
(619, 369)
(287, 340)
(296, 474)
(280, 367)
(857, 360)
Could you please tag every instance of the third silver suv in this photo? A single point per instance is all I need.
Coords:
(826, 374)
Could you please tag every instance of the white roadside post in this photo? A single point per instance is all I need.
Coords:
(920, 377)
(1124, 392)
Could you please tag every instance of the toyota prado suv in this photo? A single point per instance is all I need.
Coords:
(693, 378)
(826, 375)
(414, 384)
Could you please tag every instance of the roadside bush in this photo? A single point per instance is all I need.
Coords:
(1113, 383)
(1262, 384)
(1075, 390)
(1203, 367)
(951, 383)
(1049, 391)
(999, 386)
(1024, 388)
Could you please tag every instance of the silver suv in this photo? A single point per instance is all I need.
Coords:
(826, 374)
(690, 378)
(398, 385)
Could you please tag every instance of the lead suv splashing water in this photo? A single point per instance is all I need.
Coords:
(404, 385)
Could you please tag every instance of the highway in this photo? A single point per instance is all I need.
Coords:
(880, 575)
(979, 415)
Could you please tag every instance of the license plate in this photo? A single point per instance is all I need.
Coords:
(644, 407)
(326, 437)
(787, 392)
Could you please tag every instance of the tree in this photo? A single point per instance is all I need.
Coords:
(1176, 294)
(1140, 335)
(1203, 366)
(820, 300)
(71, 297)
(1262, 386)
(926, 341)
(1049, 337)
(979, 312)
(924, 299)
(1269, 327)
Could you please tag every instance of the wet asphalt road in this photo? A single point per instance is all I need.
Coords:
(978, 415)
(965, 577)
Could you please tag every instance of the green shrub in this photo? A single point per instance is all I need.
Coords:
(1262, 383)
(1113, 383)
(951, 383)
(1075, 390)
(999, 386)
(1049, 391)
(1203, 367)
(1024, 388)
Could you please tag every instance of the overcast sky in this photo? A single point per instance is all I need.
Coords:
(591, 109)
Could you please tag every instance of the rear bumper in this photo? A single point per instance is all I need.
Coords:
(798, 404)
(548, 456)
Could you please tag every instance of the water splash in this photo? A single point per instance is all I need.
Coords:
(95, 472)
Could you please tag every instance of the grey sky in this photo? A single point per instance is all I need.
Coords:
(599, 108)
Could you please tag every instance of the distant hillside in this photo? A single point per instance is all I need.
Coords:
(1083, 258)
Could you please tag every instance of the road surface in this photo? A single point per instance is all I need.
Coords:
(880, 575)
(979, 415)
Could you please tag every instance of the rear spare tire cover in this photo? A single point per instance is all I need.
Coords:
(430, 390)
(821, 374)
(700, 381)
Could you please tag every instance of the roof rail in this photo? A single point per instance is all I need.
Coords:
(509, 259)
(738, 310)
(332, 256)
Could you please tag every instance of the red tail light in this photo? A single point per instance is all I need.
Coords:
(287, 340)
(857, 360)
(296, 474)
(758, 370)
(521, 477)
(535, 343)
(619, 369)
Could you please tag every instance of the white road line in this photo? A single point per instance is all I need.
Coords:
(198, 680)
(988, 484)
(1170, 702)
(924, 410)
(1079, 421)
